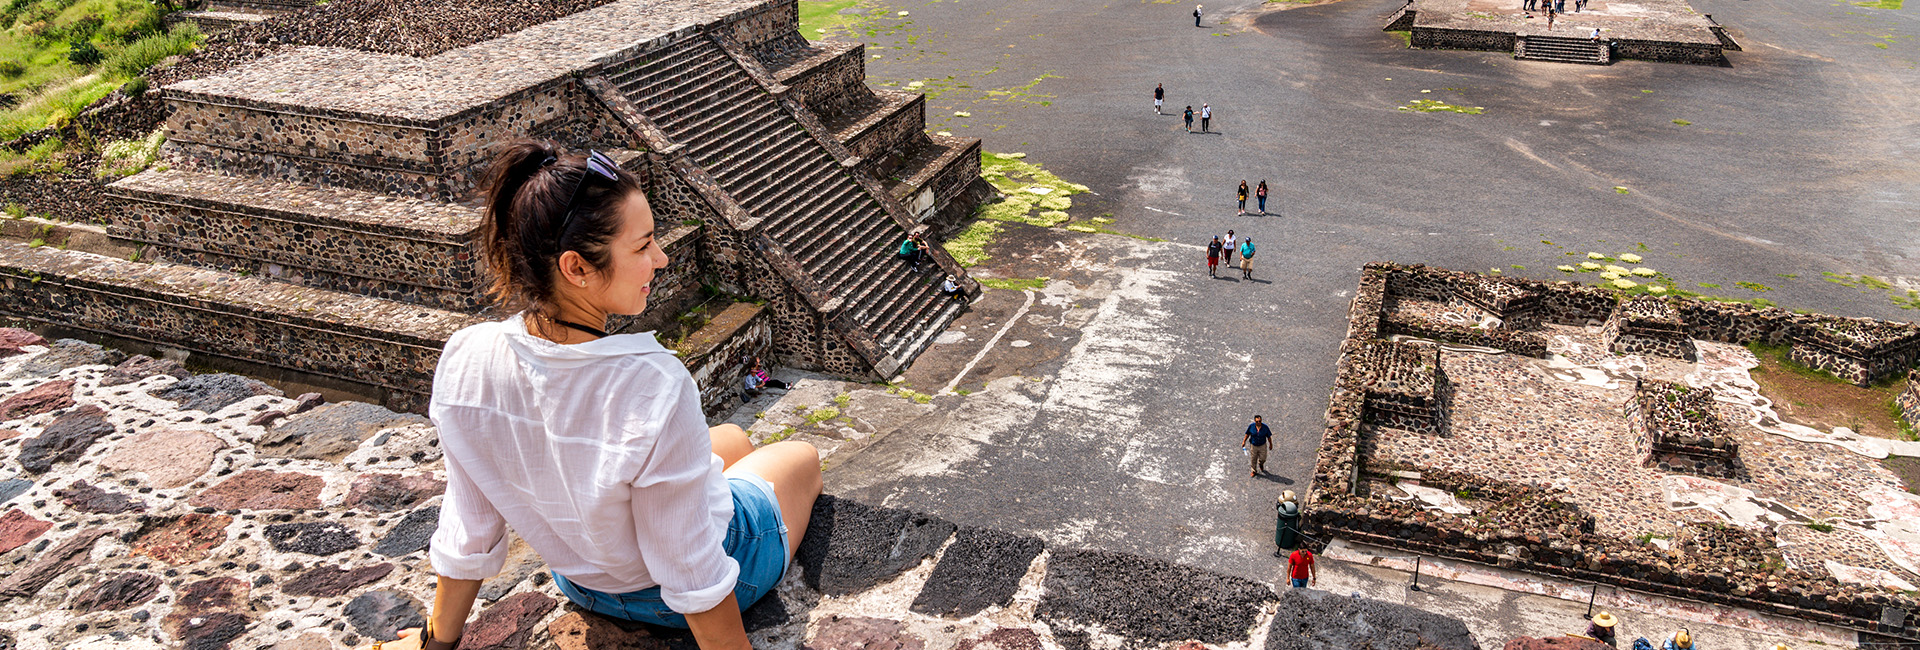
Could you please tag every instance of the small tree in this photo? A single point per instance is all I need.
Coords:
(84, 53)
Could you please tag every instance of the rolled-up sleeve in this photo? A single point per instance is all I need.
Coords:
(680, 541)
(471, 542)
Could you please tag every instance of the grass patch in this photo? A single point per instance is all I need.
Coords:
(969, 248)
(1880, 4)
(1015, 284)
(1406, 37)
(1681, 122)
(1437, 106)
(1753, 286)
(903, 391)
(59, 56)
(818, 18)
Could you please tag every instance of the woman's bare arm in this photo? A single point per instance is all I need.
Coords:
(720, 628)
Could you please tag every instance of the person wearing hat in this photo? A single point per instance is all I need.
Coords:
(1681, 640)
(1601, 628)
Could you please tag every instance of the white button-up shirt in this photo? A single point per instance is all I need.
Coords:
(596, 454)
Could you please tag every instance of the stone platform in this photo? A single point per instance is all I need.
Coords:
(1653, 30)
(152, 508)
(1636, 466)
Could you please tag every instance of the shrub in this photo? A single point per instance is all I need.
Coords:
(84, 53)
(128, 157)
(10, 68)
(139, 55)
(136, 87)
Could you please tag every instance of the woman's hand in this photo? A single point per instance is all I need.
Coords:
(409, 640)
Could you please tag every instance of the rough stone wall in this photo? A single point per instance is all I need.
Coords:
(78, 199)
(1672, 52)
(762, 23)
(1622, 338)
(588, 125)
(1909, 399)
(719, 354)
(241, 140)
(249, 240)
(1461, 39)
(461, 146)
(886, 144)
(950, 215)
(1679, 430)
(836, 85)
(247, 319)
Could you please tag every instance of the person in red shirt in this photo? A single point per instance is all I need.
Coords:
(1300, 568)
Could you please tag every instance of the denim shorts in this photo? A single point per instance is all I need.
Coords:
(756, 538)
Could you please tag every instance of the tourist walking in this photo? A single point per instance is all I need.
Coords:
(1601, 628)
(641, 511)
(1258, 441)
(1559, 6)
(1300, 569)
(1227, 247)
(1206, 116)
(1246, 259)
(1261, 194)
(1213, 256)
(1243, 198)
(1196, 15)
(1549, 15)
(1189, 119)
(1159, 95)
(1527, 5)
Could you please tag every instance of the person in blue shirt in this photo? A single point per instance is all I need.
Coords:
(1258, 442)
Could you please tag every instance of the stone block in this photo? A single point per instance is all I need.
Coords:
(17, 528)
(838, 632)
(64, 354)
(507, 624)
(392, 492)
(263, 490)
(14, 340)
(123, 591)
(65, 439)
(329, 582)
(320, 538)
(588, 631)
(381, 615)
(50, 396)
(413, 533)
(332, 431)
(838, 555)
(981, 569)
(170, 458)
(1310, 619)
(140, 366)
(1149, 600)
(183, 540)
(73, 552)
(86, 498)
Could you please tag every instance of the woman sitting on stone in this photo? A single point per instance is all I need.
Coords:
(592, 446)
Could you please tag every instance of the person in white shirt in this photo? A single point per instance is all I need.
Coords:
(591, 446)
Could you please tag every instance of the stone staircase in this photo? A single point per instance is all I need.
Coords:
(1562, 49)
(802, 196)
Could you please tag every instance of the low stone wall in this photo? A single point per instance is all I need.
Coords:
(1859, 351)
(1558, 540)
(1679, 430)
(1647, 325)
(1909, 399)
(1461, 39)
(719, 354)
(833, 82)
(63, 198)
(391, 345)
(884, 141)
(1404, 387)
(1670, 51)
(1526, 343)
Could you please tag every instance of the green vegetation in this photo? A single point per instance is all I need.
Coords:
(59, 56)
(1681, 122)
(1015, 284)
(1437, 106)
(1880, 4)
(1406, 38)
(1753, 286)
(969, 248)
(903, 391)
(128, 157)
(820, 17)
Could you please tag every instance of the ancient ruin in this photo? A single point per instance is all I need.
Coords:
(1650, 30)
(1620, 439)
(314, 210)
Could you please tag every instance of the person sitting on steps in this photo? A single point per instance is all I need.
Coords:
(592, 447)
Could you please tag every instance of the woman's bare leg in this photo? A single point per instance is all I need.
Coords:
(730, 443)
(793, 467)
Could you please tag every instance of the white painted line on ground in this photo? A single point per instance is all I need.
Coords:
(990, 343)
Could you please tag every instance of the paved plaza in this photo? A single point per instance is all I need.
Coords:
(1105, 409)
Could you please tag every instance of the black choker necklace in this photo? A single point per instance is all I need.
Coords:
(580, 327)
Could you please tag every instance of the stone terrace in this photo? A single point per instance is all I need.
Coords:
(150, 508)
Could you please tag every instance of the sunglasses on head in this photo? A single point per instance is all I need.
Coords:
(597, 163)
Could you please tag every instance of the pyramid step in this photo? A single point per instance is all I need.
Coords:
(353, 338)
(829, 80)
(393, 248)
(935, 175)
(888, 134)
